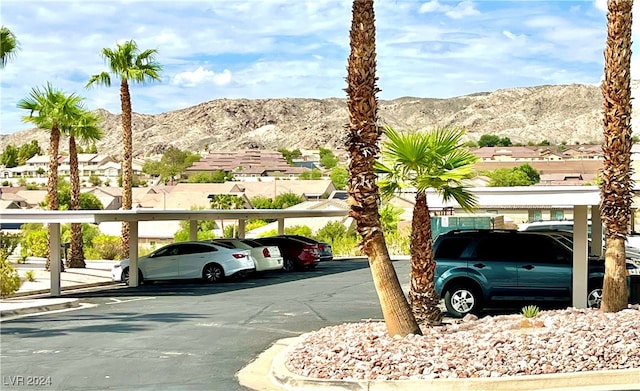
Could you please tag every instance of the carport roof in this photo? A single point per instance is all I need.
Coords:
(526, 197)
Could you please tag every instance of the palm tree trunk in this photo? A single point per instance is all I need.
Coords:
(127, 168)
(76, 254)
(616, 188)
(52, 182)
(362, 144)
(422, 295)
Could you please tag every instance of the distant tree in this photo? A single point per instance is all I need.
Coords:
(94, 180)
(544, 143)
(27, 151)
(260, 202)
(488, 140)
(523, 175)
(204, 231)
(286, 200)
(327, 158)
(505, 142)
(213, 177)
(173, 162)
(9, 157)
(290, 155)
(339, 176)
(311, 174)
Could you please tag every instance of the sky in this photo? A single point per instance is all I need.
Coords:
(298, 48)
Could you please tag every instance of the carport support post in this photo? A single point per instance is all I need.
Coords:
(242, 227)
(596, 231)
(133, 253)
(281, 226)
(54, 255)
(580, 256)
(193, 229)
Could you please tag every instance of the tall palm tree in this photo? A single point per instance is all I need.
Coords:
(87, 131)
(362, 145)
(127, 63)
(53, 110)
(616, 186)
(426, 160)
(9, 46)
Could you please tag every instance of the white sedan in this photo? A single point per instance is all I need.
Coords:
(188, 260)
(266, 257)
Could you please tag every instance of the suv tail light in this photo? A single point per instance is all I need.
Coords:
(266, 253)
(238, 255)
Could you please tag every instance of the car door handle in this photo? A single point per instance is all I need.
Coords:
(528, 267)
(479, 265)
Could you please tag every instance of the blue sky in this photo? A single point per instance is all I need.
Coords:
(296, 48)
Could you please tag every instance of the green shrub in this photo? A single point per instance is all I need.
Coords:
(255, 223)
(9, 278)
(271, 232)
(530, 311)
(35, 242)
(346, 246)
(107, 246)
(298, 230)
(30, 275)
(333, 230)
(398, 243)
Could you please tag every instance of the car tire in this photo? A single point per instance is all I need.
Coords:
(594, 297)
(212, 273)
(288, 265)
(125, 277)
(461, 300)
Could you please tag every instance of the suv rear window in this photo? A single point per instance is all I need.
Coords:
(452, 247)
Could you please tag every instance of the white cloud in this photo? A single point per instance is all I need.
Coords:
(201, 76)
(459, 11)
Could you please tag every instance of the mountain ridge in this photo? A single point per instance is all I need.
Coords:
(558, 113)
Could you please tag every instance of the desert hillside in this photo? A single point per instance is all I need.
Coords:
(566, 113)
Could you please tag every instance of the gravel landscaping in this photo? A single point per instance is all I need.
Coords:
(560, 341)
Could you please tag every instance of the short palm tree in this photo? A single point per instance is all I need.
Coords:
(426, 160)
(127, 63)
(617, 186)
(362, 145)
(53, 110)
(86, 130)
(9, 46)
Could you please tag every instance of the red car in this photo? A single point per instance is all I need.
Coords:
(297, 254)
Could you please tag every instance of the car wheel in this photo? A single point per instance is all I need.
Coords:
(125, 276)
(289, 265)
(461, 300)
(212, 273)
(594, 298)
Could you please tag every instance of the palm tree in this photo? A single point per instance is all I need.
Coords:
(9, 46)
(430, 160)
(362, 144)
(53, 110)
(127, 63)
(616, 186)
(86, 130)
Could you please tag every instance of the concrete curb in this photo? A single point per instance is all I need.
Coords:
(627, 379)
(46, 306)
(64, 288)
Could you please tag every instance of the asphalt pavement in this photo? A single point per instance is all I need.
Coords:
(231, 336)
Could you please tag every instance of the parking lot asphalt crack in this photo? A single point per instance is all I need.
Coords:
(316, 313)
(258, 313)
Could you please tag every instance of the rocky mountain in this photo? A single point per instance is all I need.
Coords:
(565, 113)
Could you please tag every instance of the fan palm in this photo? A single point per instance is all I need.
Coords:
(86, 130)
(9, 46)
(362, 145)
(426, 160)
(617, 185)
(127, 63)
(53, 110)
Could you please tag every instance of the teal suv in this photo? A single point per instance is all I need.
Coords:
(478, 269)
